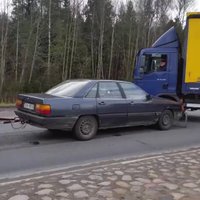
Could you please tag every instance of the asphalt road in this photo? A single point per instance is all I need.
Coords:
(32, 149)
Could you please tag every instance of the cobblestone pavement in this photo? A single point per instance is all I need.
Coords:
(169, 176)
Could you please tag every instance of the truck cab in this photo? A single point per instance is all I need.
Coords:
(180, 76)
(156, 68)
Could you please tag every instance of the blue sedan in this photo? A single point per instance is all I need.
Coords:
(84, 106)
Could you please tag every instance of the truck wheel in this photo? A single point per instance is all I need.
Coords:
(85, 128)
(166, 119)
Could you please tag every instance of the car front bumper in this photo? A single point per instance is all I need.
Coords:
(60, 123)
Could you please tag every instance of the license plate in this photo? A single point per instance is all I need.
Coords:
(29, 106)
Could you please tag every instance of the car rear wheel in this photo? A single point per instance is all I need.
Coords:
(166, 120)
(85, 128)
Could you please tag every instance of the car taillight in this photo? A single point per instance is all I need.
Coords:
(18, 103)
(43, 109)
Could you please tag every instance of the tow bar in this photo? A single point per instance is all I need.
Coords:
(13, 121)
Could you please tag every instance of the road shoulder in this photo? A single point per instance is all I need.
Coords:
(173, 175)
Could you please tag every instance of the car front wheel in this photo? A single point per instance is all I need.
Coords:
(85, 128)
(166, 119)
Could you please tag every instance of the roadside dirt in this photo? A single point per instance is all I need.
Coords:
(7, 112)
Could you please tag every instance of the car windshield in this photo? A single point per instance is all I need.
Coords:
(67, 89)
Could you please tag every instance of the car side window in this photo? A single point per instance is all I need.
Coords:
(133, 92)
(92, 93)
(154, 63)
(109, 90)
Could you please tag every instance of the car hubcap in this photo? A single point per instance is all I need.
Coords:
(86, 127)
(166, 120)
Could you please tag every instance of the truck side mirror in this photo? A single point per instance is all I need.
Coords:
(141, 71)
(148, 97)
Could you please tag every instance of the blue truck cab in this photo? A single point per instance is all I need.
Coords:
(163, 70)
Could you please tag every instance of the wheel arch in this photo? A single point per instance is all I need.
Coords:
(170, 97)
(93, 115)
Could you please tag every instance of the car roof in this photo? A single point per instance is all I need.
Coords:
(98, 80)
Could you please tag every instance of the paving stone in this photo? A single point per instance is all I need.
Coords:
(95, 177)
(135, 188)
(62, 194)
(87, 182)
(46, 198)
(45, 186)
(75, 187)
(4, 195)
(93, 198)
(81, 194)
(66, 176)
(166, 197)
(19, 197)
(142, 180)
(120, 191)
(193, 161)
(119, 173)
(106, 183)
(136, 183)
(112, 178)
(177, 196)
(197, 189)
(157, 181)
(44, 192)
(98, 170)
(28, 184)
(151, 193)
(164, 170)
(92, 186)
(105, 193)
(169, 186)
(150, 185)
(126, 178)
(64, 182)
(22, 191)
(153, 176)
(108, 173)
(190, 185)
(122, 184)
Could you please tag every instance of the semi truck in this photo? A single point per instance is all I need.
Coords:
(170, 71)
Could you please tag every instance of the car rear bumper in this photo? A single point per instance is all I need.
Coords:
(62, 123)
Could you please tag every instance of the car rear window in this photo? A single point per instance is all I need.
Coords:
(67, 89)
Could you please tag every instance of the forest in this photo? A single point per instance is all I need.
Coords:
(45, 42)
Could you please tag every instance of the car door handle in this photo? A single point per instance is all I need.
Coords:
(102, 103)
(165, 86)
(132, 102)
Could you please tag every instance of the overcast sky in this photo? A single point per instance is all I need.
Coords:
(196, 6)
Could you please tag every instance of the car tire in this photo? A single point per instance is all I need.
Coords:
(166, 119)
(85, 128)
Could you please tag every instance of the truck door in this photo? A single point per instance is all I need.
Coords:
(153, 73)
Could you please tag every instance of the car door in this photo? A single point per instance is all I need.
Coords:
(140, 109)
(111, 105)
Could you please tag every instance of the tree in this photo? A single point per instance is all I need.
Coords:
(4, 39)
